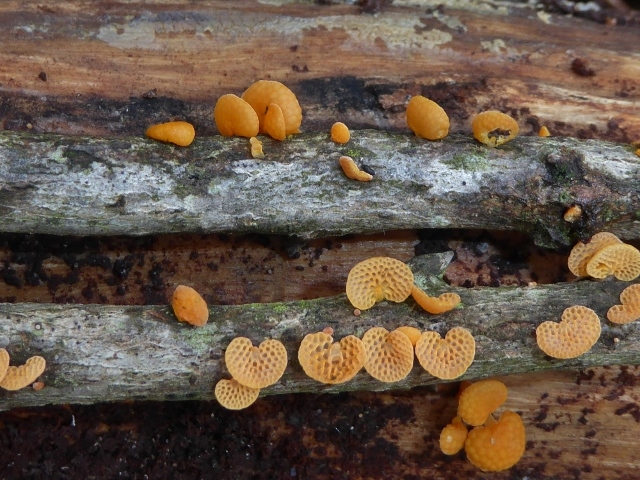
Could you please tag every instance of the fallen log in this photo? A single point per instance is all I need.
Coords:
(132, 186)
(101, 353)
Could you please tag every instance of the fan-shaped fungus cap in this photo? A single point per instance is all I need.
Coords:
(449, 357)
(453, 436)
(493, 128)
(329, 362)
(340, 133)
(4, 362)
(376, 279)
(233, 395)
(629, 311)
(388, 355)
(234, 116)
(274, 122)
(19, 377)
(581, 253)
(620, 260)
(435, 305)
(481, 399)
(498, 446)
(189, 306)
(256, 367)
(263, 92)
(578, 330)
(180, 133)
(412, 332)
(427, 119)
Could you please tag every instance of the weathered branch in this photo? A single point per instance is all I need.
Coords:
(100, 353)
(89, 186)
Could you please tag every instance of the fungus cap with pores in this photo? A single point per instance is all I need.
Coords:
(234, 116)
(620, 260)
(189, 306)
(331, 362)
(629, 311)
(453, 436)
(264, 92)
(578, 331)
(427, 119)
(377, 279)
(494, 128)
(581, 252)
(233, 395)
(19, 377)
(178, 133)
(256, 367)
(481, 399)
(388, 355)
(435, 305)
(449, 357)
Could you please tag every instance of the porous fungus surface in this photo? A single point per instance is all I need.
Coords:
(494, 128)
(481, 399)
(329, 362)
(340, 133)
(4, 362)
(189, 306)
(234, 116)
(412, 332)
(453, 436)
(376, 279)
(264, 92)
(578, 330)
(179, 133)
(499, 446)
(233, 395)
(620, 260)
(352, 171)
(629, 311)
(427, 119)
(449, 357)
(256, 367)
(435, 305)
(581, 253)
(19, 377)
(274, 124)
(388, 355)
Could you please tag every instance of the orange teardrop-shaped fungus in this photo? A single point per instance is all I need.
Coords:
(340, 133)
(427, 119)
(179, 133)
(274, 122)
(234, 116)
(494, 128)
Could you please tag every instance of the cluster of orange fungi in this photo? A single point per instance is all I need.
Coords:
(15, 378)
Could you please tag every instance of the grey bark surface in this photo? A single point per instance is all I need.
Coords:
(100, 353)
(67, 185)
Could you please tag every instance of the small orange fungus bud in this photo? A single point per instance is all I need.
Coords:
(340, 133)
(453, 436)
(412, 332)
(256, 148)
(329, 362)
(572, 214)
(37, 386)
(19, 377)
(234, 116)
(498, 446)
(578, 331)
(388, 355)
(620, 260)
(427, 119)
(583, 252)
(628, 312)
(435, 305)
(189, 306)
(233, 395)
(637, 152)
(352, 171)
(264, 92)
(544, 132)
(493, 128)
(449, 357)
(481, 399)
(274, 122)
(256, 367)
(377, 279)
(180, 133)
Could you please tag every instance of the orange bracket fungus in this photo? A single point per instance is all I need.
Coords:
(256, 148)
(581, 253)
(435, 305)
(479, 400)
(498, 446)
(576, 333)
(233, 395)
(4, 362)
(388, 355)
(453, 436)
(19, 377)
(189, 306)
(427, 119)
(412, 332)
(449, 357)
(352, 171)
(377, 279)
(329, 362)
(620, 260)
(274, 122)
(234, 116)
(493, 128)
(180, 133)
(340, 133)
(256, 367)
(629, 311)
(264, 92)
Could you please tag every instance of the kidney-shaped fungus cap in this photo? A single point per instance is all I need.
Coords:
(578, 330)
(620, 260)
(4, 362)
(388, 355)
(412, 332)
(340, 133)
(493, 128)
(256, 367)
(581, 253)
(449, 357)
(427, 119)
(234, 116)
(481, 399)
(499, 446)
(179, 133)
(629, 311)
(329, 362)
(435, 305)
(274, 122)
(263, 92)
(233, 395)
(188, 306)
(376, 279)
(19, 377)
(453, 436)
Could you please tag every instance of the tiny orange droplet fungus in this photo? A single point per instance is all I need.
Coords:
(453, 436)
(340, 133)
(179, 133)
(427, 119)
(234, 116)
(494, 128)
(544, 132)
(188, 306)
